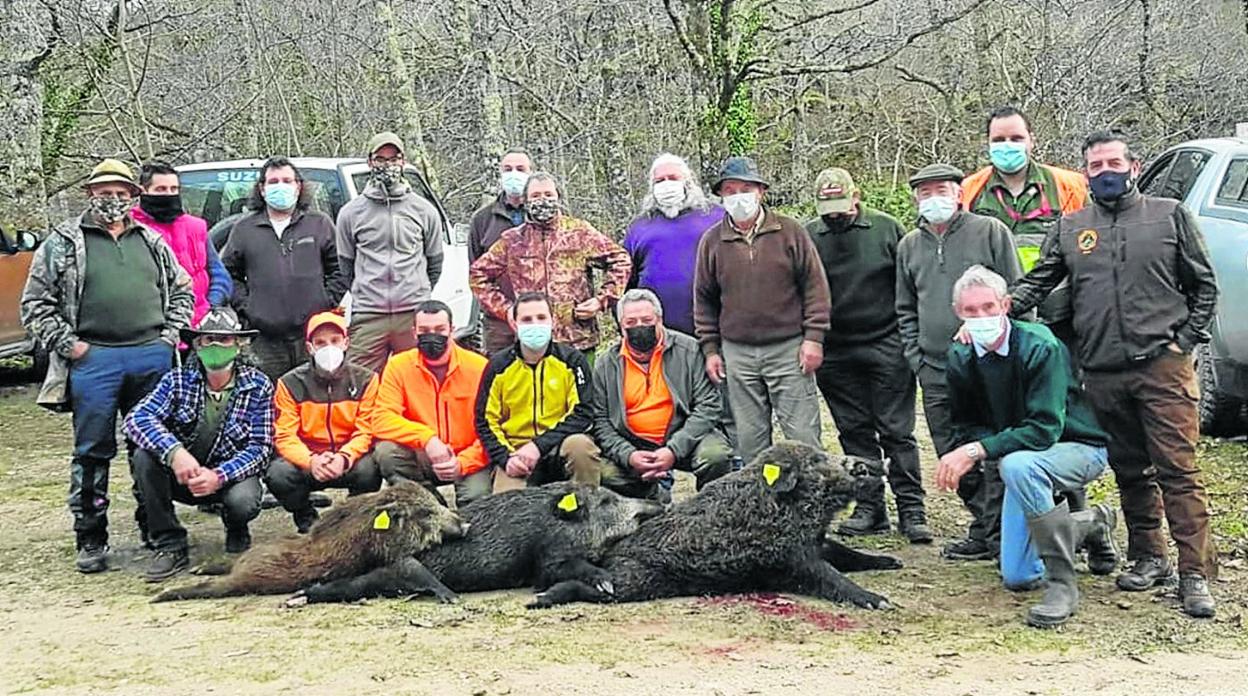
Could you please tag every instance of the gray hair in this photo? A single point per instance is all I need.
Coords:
(543, 176)
(638, 295)
(695, 197)
(980, 276)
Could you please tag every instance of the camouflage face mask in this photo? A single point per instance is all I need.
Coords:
(389, 175)
(542, 210)
(110, 209)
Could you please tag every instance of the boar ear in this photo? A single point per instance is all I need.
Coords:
(778, 478)
(569, 506)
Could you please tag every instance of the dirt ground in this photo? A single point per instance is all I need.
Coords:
(954, 632)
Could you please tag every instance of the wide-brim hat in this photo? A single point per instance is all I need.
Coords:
(112, 171)
(739, 169)
(219, 321)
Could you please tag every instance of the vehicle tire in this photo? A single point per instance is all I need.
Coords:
(1221, 415)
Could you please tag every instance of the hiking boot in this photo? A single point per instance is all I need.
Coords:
(1147, 572)
(304, 519)
(237, 539)
(867, 519)
(1194, 591)
(967, 550)
(320, 500)
(1097, 528)
(166, 564)
(1054, 534)
(92, 557)
(913, 526)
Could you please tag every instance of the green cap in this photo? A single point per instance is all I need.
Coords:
(383, 139)
(937, 172)
(110, 171)
(834, 192)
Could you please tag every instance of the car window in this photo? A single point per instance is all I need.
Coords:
(1181, 175)
(1234, 187)
(216, 193)
(1153, 177)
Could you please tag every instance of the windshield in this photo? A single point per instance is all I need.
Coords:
(215, 193)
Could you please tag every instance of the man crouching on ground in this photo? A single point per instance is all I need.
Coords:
(1013, 397)
(204, 434)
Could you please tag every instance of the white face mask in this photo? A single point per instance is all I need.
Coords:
(985, 331)
(741, 206)
(668, 193)
(938, 209)
(329, 358)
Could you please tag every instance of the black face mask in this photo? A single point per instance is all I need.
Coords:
(642, 339)
(432, 346)
(838, 223)
(162, 207)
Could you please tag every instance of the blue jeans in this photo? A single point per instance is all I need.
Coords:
(1031, 481)
(105, 381)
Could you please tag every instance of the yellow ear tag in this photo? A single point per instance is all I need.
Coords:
(771, 473)
(382, 520)
(568, 503)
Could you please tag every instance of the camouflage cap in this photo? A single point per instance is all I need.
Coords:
(834, 192)
(383, 139)
(937, 172)
(112, 171)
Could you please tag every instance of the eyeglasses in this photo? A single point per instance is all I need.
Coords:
(385, 161)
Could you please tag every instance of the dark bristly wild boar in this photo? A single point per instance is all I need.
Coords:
(760, 529)
(362, 533)
(521, 538)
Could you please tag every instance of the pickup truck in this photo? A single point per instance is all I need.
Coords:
(218, 191)
(16, 253)
(1211, 177)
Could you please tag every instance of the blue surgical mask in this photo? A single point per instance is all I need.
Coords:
(1008, 157)
(534, 336)
(938, 209)
(1108, 187)
(281, 196)
(985, 331)
(513, 182)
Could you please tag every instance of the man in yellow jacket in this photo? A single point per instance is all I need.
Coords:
(424, 419)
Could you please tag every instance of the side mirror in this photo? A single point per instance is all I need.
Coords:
(459, 233)
(27, 241)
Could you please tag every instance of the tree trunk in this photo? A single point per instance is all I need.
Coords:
(399, 83)
(22, 47)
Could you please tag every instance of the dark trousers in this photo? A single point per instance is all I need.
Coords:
(240, 501)
(498, 334)
(397, 463)
(710, 460)
(870, 391)
(292, 485)
(980, 489)
(275, 355)
(104, 382)
(1150, 415)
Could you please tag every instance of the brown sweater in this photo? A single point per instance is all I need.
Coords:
(767, 291)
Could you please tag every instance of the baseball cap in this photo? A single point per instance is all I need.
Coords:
(330, 318)
(383, 139)
(834, 192)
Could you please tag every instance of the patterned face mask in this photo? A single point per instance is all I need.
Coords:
(110, 209)
(389, 175)
(542, 210)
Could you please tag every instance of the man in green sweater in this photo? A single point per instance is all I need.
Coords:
(1013, 397)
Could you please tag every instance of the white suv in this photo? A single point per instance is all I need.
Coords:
(218, 192)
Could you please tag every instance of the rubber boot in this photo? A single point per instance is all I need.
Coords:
(1096, 534)
(1054, 534)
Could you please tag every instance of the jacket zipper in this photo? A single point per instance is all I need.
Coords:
(1120, 254)
(536, 394)
(329, 418)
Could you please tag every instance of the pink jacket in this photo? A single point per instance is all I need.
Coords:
(188, 237)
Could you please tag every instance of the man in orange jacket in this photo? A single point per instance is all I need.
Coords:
(324, 438)
(424, 420)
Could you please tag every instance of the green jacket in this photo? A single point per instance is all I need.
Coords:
(696, 405)
(1027, 400)
(53, 292)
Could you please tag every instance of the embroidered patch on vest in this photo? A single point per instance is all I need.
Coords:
(1087, 241)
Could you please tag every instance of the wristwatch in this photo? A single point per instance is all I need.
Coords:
(973, 451)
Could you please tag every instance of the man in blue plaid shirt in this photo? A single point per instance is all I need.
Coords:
(204, 435)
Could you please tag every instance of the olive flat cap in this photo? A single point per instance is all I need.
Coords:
(937, 172)
(740, 169)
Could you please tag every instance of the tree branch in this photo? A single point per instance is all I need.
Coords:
(797, 24)
(682, 36)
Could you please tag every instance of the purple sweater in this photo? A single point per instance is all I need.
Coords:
(664, 255)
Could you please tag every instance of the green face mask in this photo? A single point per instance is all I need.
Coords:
(216, 357)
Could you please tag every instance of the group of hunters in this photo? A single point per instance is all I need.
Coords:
(1048, 315)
